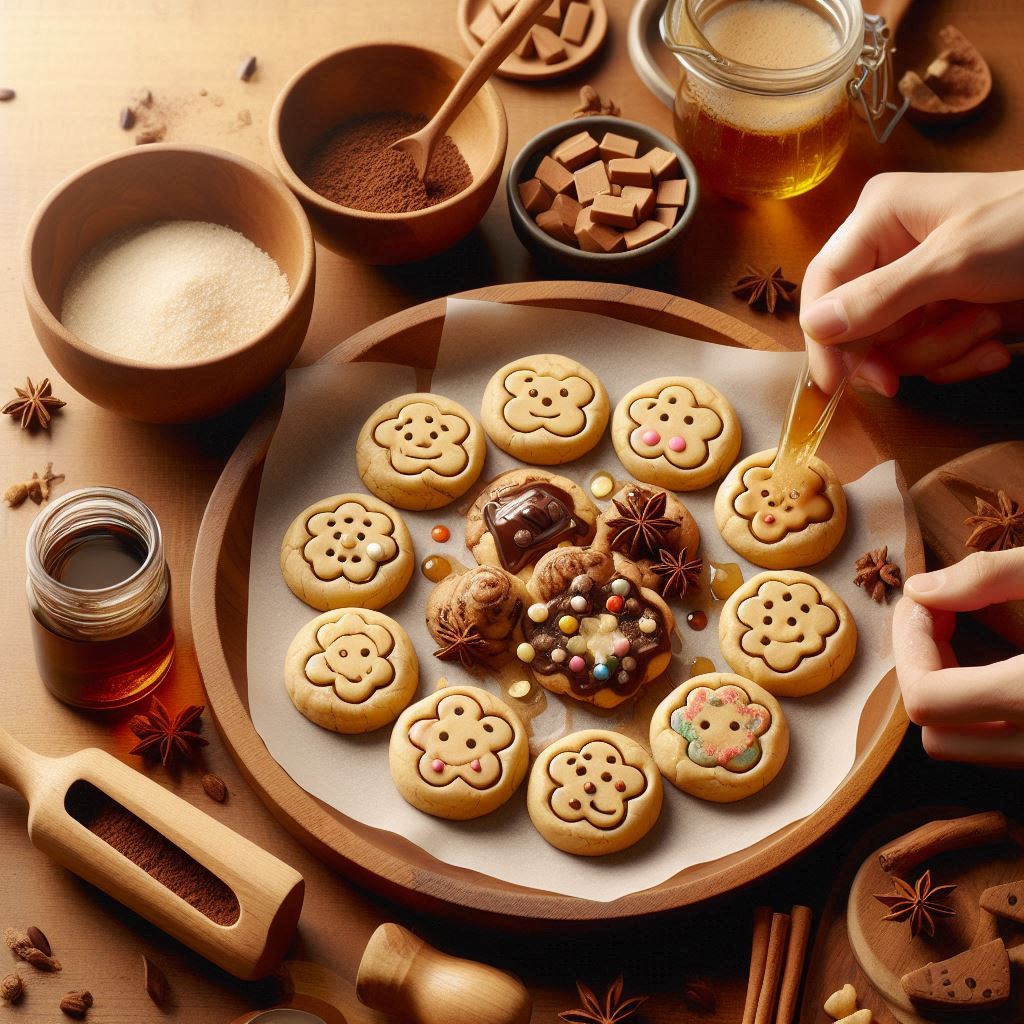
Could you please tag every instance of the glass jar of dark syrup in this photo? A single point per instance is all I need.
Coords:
(99, 591)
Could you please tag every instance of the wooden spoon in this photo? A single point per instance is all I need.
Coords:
(420, 146)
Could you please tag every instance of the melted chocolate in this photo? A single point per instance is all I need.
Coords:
(529, 520)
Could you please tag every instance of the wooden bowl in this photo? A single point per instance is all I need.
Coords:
(596, 264)
(375, 78)
(167, 182)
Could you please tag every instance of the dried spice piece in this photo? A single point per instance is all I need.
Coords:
(215, 787)
(38, 488)
(171, 738)
(150, 135)
(12, 988)
(126, 119)
(39, 940)
(614, 1009)
(157, 986)
(678, 573)
(920, 904)
(247, 69)
(591, 103)
(700, 996)
(76, 1004)
(459, 641)
(765, 289)
(34, 405)
(877, 575)
(996, 526)
(641, 525)
(21, 945)
(6, 95)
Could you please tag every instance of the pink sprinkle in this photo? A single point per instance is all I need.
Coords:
(475, 765)
(650, 438)
(437, 764)
(768, 518)
(621, 646)
(576, 664)
(677, 444)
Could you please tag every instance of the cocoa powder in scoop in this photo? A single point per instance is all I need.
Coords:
(353, 166)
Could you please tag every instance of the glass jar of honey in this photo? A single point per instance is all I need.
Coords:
(99, 591)
(763, 104)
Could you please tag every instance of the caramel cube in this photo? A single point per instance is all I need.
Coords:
(615, 190)
(618, 211)
(503, 8)
(551, 224)
(672, 192)
(626, 171)
(552, 17)
(615, 147)
(591, 181)
(662, 162)
(567, 208)
(576, 151)
(535, 195)
(485, 24)
(525, 49)
(549, 47)
(576, 23)
(644, 233)
(595, 237)
(666, 214)
(642, 197)
(553, 175)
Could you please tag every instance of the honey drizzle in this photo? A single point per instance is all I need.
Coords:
(807, 418)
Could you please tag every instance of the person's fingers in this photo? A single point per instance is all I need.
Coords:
(967, 696)
(997, 743)
(987, 358)
(877, 373)
(936, 345)
(981, 579)
(921, 645)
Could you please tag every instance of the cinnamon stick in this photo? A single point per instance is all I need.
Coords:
(758, 959)
(793, 972)
(939, 836)
(772, 969)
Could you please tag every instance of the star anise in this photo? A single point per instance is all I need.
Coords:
(459, 640)
(997, 526)
(877, 575)
(678, 574)
(33, 404)
(169, 737)
(919, 904)
(614, 1010)
(765, 289)
(641, 525)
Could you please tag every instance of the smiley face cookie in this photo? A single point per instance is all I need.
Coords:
(788, 631)
(523, 514)
(351, 670)
(420, 451)
(459, 753)
(719, 737)
(594, 792)
(545, 409)
(781, 522)
(676, 432)
(347, 551)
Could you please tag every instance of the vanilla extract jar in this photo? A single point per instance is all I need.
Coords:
(99, 591)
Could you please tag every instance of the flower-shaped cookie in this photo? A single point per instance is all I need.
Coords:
(350, 550)
(677, 432)
(545, 409)
(775, 508)
(722, 727)
(787, 631)
(459, 753)
(594, 792)
(351, 670)
(420, 451)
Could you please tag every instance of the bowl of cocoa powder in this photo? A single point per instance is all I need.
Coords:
(330, 135)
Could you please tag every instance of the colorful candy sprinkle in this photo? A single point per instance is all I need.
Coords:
(558, 655)
(577, 664)
(611, 663)
(620, 646)
(620, 587)
(440, 533)
(577, 645)
(375, 552)
(578, 603)
(538, 612)
(568, 624)
(601, 672)
(647, 624)
(768, 518)
(614, 604)
(475, 765)
(525, 652)
(677, 444)
(629, 664)
(437, 764)
(650, 438)
(601, 485)
(620, 786)
(623, 678)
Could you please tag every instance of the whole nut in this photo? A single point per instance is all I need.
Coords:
(12, 988)
(76, 1004)
(215, 787)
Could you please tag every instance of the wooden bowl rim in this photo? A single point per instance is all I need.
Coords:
(298, 292)
(447, 889)
(308, 195)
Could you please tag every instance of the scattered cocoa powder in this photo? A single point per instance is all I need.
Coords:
(154, 853)
(353, 166)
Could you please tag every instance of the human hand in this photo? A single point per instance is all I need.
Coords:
(926, 273)
(966, 714)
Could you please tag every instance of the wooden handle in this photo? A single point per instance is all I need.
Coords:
(404, 976)
(19, 766)
(940, 836)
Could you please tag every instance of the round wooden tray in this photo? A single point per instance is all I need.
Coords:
(387, 862)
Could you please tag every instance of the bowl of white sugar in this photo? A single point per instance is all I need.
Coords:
(167, 283)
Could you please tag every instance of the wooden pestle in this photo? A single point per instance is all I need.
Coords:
(268, 891)
(404, 976)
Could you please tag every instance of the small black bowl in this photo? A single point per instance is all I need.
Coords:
(595, 264)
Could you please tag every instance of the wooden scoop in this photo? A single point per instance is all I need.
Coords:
(258, 897)
(420, 146)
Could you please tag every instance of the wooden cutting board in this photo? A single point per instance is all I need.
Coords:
(946, 497)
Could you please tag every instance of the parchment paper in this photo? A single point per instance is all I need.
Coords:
(311, 457)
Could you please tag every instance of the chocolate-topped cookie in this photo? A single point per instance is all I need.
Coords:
(593, 632)
(523, 514)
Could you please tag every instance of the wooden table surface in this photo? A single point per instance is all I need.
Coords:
(74, 64)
